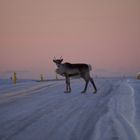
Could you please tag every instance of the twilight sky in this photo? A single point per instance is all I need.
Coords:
(103, 33)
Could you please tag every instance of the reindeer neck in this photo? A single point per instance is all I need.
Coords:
(59, 65)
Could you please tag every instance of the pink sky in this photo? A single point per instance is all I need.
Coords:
(104, 33)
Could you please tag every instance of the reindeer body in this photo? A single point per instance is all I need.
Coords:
(72, 69)
(69, 70)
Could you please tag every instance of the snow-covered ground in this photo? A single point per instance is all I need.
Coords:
(33, 110)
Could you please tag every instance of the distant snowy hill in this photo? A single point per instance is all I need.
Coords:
(33, 110)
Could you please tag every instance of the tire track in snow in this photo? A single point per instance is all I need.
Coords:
(27, 121)
(100, 109)
(65, 111)
(85, 120)
(24, 92)
(119, 119)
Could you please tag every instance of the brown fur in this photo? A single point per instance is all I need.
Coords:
(68, 70)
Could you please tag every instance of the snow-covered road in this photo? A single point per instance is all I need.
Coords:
(42, 111)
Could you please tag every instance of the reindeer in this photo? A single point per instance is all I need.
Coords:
(69, 70)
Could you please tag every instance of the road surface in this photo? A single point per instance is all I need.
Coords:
(42, 111)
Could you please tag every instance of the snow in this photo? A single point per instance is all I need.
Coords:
(33, 110)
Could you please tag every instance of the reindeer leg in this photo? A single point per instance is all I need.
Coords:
(92, 82)
(68, 88)
(66, 85)
(66, 91)
(87, 81)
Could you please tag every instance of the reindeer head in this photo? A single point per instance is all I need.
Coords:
(57, 61)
